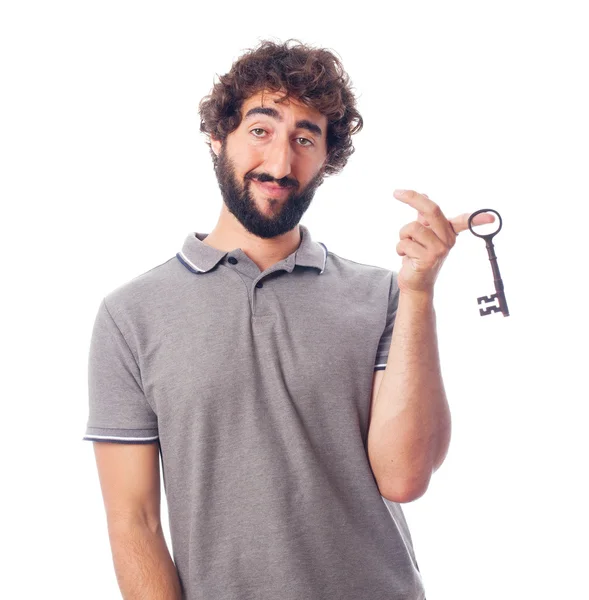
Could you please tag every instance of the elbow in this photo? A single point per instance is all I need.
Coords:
(406, 492)
(122, 526)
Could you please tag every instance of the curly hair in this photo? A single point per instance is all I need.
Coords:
(313, 76)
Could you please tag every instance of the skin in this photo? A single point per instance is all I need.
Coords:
(273, 150)
(424, 244)
(409, 429)
(410, 423)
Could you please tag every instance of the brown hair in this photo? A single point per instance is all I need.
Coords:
(313, 76)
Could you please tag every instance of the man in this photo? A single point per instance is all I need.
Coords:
(255, 358)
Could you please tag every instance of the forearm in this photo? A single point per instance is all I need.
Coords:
(410, 422)
(143, 565)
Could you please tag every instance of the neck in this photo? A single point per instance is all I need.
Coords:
(229, 234)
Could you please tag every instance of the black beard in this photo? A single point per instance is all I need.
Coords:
(240, 202)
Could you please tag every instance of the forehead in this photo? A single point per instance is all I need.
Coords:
(269, 99)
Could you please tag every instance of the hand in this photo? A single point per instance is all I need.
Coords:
(425, 243)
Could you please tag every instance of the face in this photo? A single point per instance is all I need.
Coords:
(269, 168)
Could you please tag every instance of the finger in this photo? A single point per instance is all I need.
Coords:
(422, 235)
(422, 219)
(460, 223)
(411, 249)
(431, 212)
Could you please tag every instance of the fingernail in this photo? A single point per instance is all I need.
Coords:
(400, 191)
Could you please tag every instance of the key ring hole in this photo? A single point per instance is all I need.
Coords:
(485, 236)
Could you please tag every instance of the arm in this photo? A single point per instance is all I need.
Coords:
(130, 482)
(409, 429)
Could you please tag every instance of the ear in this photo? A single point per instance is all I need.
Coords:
(216, 145)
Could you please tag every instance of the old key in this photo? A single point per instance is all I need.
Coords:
(499, 294)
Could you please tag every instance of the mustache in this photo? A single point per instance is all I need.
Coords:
(265, 178)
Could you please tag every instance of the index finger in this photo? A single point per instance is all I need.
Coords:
(460, 223)
(431, 212)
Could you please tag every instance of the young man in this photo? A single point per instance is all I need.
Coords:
(255, 357)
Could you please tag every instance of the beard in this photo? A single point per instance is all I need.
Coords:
(241, 203)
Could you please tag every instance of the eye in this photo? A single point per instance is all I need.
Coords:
(306, 140)
(257, 129)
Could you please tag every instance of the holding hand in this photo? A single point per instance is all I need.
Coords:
(425, 243)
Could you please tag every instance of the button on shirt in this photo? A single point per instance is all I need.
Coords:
(256, 385)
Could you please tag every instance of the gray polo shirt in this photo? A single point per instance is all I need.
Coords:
(256, 386)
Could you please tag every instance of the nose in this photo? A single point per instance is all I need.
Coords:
(277, 161)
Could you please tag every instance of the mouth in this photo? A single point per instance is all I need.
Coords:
(273, 190)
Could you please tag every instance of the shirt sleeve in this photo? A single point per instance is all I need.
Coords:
(382, 352)
(118, 409)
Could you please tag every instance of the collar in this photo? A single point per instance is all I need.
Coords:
(200, 258)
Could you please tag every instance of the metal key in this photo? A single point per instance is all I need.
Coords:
(499, 294)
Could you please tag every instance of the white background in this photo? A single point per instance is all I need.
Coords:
(104, 172)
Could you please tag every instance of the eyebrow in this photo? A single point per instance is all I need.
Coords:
(272, 112)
